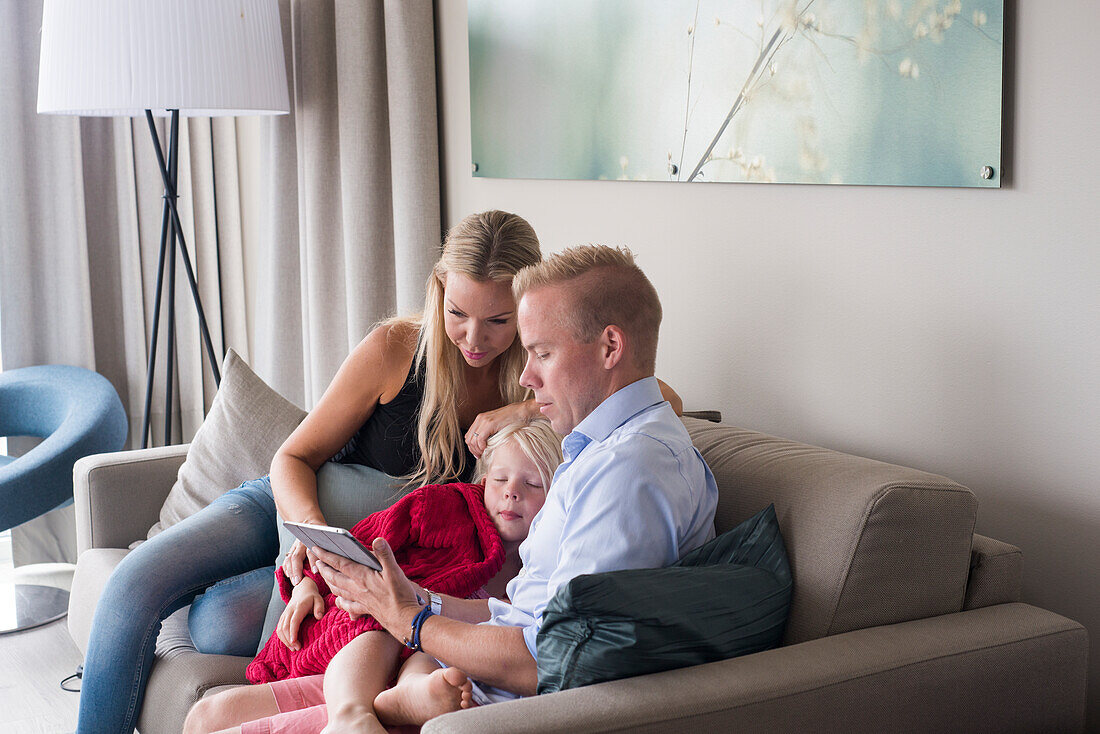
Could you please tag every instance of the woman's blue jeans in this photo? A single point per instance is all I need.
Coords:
(227, 618)
(235, 534)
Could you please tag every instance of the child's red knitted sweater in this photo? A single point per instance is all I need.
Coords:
(444, 540)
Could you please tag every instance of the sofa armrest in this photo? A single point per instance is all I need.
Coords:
(995, 572)
(869, 543)
(1011, 667)
(118, 496)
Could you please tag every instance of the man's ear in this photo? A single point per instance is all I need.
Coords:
(613, 346)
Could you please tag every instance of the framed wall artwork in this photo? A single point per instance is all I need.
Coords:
(886, 92)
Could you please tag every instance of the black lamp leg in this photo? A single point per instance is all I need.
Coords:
(170, 190)
(171, 236)
(164, 224)
(170, 197)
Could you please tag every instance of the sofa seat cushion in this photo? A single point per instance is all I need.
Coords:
(870, 543)
(728, 597)
(177, 682)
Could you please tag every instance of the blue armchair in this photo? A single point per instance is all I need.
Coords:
(77, 413)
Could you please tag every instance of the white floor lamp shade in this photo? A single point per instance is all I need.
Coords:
(110, 58)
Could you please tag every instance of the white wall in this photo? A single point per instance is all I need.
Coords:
(957, 331)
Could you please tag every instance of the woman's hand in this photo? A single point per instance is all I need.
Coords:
(488, 423)
(296, 559)
(305, 598)
(672, 397)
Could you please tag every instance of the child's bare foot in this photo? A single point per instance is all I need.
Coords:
(353, 720)
(418, 698)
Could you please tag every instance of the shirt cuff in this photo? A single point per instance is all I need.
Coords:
(530, 635)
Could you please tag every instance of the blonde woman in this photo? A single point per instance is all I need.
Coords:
(417, 398)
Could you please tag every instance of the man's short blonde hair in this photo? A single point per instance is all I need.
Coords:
(604, 286)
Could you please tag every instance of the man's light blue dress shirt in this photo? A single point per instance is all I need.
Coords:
(633, 492)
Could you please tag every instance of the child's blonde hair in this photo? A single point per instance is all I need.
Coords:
(538, 442)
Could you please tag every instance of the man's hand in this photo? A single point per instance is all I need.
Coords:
(388, 596)
(494, 654)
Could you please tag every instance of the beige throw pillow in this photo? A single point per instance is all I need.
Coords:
(247, 423)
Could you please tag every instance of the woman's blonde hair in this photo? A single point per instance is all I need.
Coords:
(490, 246)
(538, 442)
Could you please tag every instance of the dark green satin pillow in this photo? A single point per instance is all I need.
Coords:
(729, 597)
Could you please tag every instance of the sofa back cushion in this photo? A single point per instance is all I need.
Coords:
(247, 423)
(869, 543)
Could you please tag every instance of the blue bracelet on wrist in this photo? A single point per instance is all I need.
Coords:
(413, 640)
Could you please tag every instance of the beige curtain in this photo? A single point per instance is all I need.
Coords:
(351, 195)
(303, 229)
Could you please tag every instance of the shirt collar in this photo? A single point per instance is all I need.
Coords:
(620, 407)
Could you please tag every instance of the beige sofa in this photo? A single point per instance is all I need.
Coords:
(902, 619)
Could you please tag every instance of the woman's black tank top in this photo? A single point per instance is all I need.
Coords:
(387, 441)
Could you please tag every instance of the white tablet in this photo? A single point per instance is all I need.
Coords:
(336, 540)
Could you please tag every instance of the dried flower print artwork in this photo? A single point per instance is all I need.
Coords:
(894, 92)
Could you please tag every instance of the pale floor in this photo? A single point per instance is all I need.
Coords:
(32, 664)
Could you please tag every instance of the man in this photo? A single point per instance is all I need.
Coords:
(632, 493)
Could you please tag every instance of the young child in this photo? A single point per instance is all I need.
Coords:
(361, 658)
